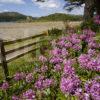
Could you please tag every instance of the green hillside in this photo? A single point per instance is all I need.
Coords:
(13, 16)
(61, 17)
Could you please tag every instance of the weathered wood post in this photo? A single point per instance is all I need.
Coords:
(3, 59)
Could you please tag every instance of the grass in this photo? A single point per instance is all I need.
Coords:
(25, 63)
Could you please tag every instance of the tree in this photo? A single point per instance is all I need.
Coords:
(98, 7)
(91, 7)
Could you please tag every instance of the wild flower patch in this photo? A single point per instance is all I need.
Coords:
(58, 75)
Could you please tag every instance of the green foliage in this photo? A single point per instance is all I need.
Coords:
(54, 32)
(90, 24)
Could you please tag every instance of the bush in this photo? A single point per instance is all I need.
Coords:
(54, 32)
(91, 25)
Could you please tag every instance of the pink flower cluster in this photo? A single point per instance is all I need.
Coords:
(92, 87)
(58, 68)
(62, 48)
(88, 62)
(88, 37)
(56, 60)
(91, 90)
(43, 83)
(29, 78)
(69, 80)
(29, 95)
(5, 86)
(72, 41)
(14, 97)
(19, 76)
(44, 69)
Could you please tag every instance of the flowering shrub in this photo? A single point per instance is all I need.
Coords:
(64, 73)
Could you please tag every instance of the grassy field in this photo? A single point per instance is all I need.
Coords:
(12, 31)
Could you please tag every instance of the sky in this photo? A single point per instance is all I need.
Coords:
(37, 9)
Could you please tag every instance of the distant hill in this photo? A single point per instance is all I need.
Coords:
(13, 16)
(61, 17)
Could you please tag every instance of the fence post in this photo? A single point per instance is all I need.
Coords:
(3, 59)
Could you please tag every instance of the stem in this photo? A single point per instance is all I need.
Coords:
(91, 74)
(69, 97)
(5, 97)
(39, 95)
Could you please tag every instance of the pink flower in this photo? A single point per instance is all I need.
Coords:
(29, 78)
(39, 84)
(57, 68)
(64, 52)
(47, 83)
(77, 47)
(68, 45)
(97, 19)
(29, 95)
(42, 58)
(92, 87)
(19, 76)
(56, 51)
(68, 70)
(15, 97)
(91, 52)
(56, 60)
(44, 69)
(69, 84)
(5, 86)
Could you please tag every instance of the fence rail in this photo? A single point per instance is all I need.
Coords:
(10, 55)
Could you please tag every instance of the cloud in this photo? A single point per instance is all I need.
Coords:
(13, 1)
(48, 4)
(5, 10)
(77, 11)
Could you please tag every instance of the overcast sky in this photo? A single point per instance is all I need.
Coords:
(36, 9)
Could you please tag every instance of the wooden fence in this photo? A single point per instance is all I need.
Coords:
(10, 55)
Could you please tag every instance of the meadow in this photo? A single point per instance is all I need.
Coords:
(68, 70)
